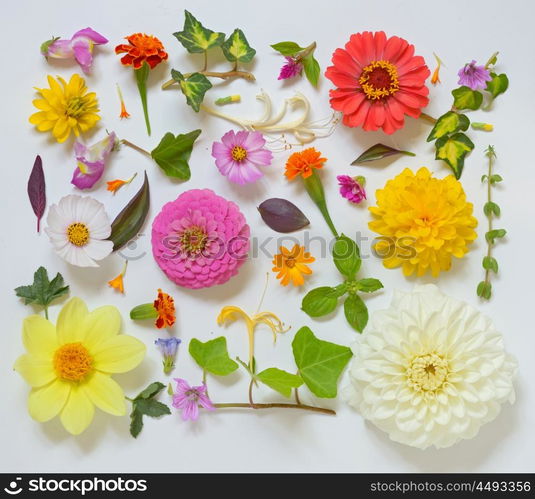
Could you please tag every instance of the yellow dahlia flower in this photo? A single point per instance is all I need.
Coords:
(69, 366)
(423, 222)
(65, 108)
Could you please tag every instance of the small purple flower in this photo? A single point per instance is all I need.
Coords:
(291, 69)
(474, 77)
(188, 398)
(91, 161)
(352, 188)
(168, 347)
(239, 155)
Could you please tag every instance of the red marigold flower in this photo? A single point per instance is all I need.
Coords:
(379, 81)
(142, 48)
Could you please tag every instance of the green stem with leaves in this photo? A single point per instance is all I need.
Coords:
(303, 407)
(215, 74)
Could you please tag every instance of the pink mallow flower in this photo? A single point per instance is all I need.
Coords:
(239, 155)
(291, 69)
(189, 398)
(91, 161)
(352, 188)
(79, 47)
(474, 77)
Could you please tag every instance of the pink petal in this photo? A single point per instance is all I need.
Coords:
(60, 49)
(219, 150)
(229, 139)
(95, 37)
(253, 141)
(262, 157)
(82, 54)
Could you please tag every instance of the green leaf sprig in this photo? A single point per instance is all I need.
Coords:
(324, 300)
(301, 55)
(491, 210)
(197, 39)
(145, 404)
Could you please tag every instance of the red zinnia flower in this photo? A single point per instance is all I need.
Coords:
(379, 80)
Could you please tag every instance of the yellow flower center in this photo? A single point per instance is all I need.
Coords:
(193, 240)
(78, 234)
(238, 153)
(427, 372)
(72, 362)
(76, 106)
(379, 79)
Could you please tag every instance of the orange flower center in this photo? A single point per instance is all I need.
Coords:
(379, 79)
(238, 153)
(193, 240)
(290, 262)
(78, 234)
(72, 362)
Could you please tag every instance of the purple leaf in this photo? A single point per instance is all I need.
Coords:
(379, 151)
(282, 216)
(37, 190)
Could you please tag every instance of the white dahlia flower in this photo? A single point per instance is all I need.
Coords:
(430, 370)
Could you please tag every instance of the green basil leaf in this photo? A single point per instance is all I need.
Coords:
(281, 381)
(448, 123)
(194, 87)
(287, 48)
(213, 356)
(236, 48)
(172, 154)
(195, 37)
(466, 98)
(356, 312)
(379, 151)
(453, 151)
(346, 256)
(320, 301)
(369, 285)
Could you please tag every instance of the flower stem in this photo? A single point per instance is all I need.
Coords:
(314, 188)
(215, 74)
(251, 403)
(428, 118)
(205, 66)
(137, 148)
(141, 78)
(276, 406)
(46, 312)
(306, 52)
(489, 217)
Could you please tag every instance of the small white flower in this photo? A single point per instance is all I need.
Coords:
(78, 228)
(430, 370)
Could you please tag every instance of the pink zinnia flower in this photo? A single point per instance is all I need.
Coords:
(351, 188)
(291, 69)
(239, 154)
(474, 77)
(189, 398)
(200, 239)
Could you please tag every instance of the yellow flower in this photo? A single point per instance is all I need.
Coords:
(69, 366)
(423, 221)
(65, 107)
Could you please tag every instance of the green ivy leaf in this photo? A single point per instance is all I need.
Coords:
(173, 152)
(281, 381)
(466, 98)
(236, 48)
(498, 85)
(195, 37)
(321, 301)
(369, 285)
(453, 150)
(42, 292)
(287, 48)
(213, 356)
(492, 235)
(312, 69)
(320, 362)
(346, 256)
(494, 179)
(491, 208)
(490, 263)
(356, 312)
(484, 290)
(448, 123)
(194, 87)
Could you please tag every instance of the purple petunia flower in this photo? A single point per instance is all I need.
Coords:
(188, 398)
(291, 69)
(352, 188)
(239, 155)
(474, 77)
(168, 347)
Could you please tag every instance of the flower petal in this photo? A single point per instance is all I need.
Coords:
(98, 250)
(78, 412)
(46, 402)
(119, 354)
(39, 336)
(36, 371)
(70, 320)
(101, 325)
(106, 394)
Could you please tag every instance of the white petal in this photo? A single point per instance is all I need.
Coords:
(98, 250)
(77, 256)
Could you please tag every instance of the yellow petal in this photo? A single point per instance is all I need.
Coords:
(39, 336)
(71, 319)
(231, 313)
(118, 354)
(60, 127)
(35, 370)
(45, 126)
(78, 412)
(100, 325)
(41, 104)
(106, 394)
(36, 118)
(46, 402)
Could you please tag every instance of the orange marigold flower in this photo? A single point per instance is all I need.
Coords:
(291, 265)
(303, 163)
(118, 283)
(115, 185)
(165, 306)
(142, 48)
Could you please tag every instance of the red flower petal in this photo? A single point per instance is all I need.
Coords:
(349, 103)
(380, 43)
(394, 47)
(345, 63)
(411, 99)
(357, 118)
(340, 79)
(121, 49)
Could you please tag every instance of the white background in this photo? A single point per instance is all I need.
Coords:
(265, 440)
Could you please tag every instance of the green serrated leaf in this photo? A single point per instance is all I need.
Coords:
(356, 312)
(320, 301)
(491, 208)
(173, 152)
(490, 263)
(236, 48)
(453, 150)
(498, 85)
(312, 69)
(136, 423)
(42, 292)
(281, 381)
(151, 391)
(287, 48)
(448, 123)
(320, 362)
(369, 285)
(194, 87)
(195, 37)
(492, 235)
(346, 256)
(466, 98)
(152, 408)
(484, 290)
(213, 356)
(494, 179)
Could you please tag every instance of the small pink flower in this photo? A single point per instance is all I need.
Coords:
(291, 69)
(352, 188)
(189, 398)
(474, 77)
(239, 155)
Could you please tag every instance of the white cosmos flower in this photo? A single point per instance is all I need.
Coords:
(430, 370)
(78, 228)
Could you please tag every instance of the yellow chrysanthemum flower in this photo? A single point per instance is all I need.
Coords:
(423, 221)
(65, 108)
(69, 366)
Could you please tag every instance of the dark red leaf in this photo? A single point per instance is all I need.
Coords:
(37, 190)
(282, 216)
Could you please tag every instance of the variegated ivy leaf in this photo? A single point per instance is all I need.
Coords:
(237, 49)
(448, 123)
(453, 151)
(195, 37)
(498, 85)
(466, 98)
(193, 87)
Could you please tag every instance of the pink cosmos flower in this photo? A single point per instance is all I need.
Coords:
(239, 154)
(291, 69)
(474, 77)
(351, 188)
(189, 398)
(200, 239)
(91, 161)
(79, 47)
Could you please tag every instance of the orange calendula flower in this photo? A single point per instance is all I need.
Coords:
(291, 265)
(436, 78)
(142, 48)
(117, 283)
(124, 112)
(115, 185)
(165, 307)
(303, 163)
